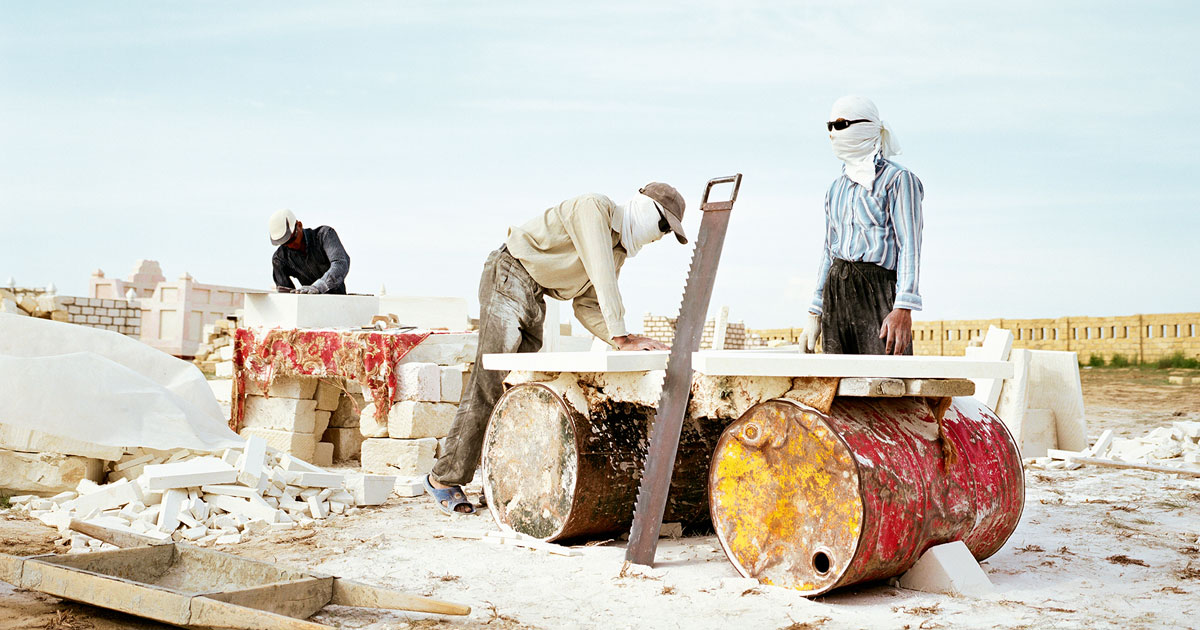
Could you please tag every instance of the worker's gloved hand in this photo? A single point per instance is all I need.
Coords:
(638, 342)
(810, 334)
(308, 289)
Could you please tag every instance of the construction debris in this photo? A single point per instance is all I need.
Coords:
(1165, 449)
(208, 499)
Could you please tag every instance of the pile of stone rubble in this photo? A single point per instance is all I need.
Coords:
(1177, 445)
(208, 499)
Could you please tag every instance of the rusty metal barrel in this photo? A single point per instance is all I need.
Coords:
(562, 461)
(814, 501)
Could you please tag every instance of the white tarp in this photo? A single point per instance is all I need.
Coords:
(105, 388)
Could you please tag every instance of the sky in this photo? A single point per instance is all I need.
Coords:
(1055, 140)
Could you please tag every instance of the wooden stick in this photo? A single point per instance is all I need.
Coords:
(1112, 463)
(350, 593)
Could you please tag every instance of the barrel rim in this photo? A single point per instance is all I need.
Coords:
(712, 504)
(483, 465)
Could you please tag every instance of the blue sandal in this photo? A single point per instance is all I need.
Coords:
(448, 499)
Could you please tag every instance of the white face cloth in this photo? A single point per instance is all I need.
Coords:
(640, 224)
(858, 144)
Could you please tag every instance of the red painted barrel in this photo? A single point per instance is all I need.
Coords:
(816, 501)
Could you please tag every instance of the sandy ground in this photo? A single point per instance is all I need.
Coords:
(1095, 548)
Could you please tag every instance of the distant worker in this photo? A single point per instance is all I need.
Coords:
(314, 257)
(572, 251)
(867, 283)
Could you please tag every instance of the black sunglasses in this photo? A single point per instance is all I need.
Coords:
(842, 123)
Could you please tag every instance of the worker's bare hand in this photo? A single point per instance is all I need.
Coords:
(638, 342)
(897, 329)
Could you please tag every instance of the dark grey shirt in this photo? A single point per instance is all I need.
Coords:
(322, 264)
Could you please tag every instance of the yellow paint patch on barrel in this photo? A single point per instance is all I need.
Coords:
(785, 497)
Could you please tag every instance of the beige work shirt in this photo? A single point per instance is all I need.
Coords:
(574, 251)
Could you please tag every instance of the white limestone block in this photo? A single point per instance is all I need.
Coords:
(348, 409)
(328, 394)
(300, 387)
(114, 495)
(346, 443)
(317, 508)
(224, 369)
(1054, 385)
(321, 419)
(1038, 433)
(410, 487)
(369, 426)
(452, 383)
(282, 414)
(370, 489)
(291, 464)
(47, 473)
(252, 462)
(195, 533)
(450, 349)
(230, 491)
(225, 352)
(323, 454)
(302, 445)
(419, 381)
(168, 515)
(195, 472)
(949, 569)
(408, 419)
(245, 507)
(229, 539)
(321, 480)
(407, 458)
(25, 440)
(997, 346)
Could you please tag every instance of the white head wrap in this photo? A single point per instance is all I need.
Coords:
(858, 144)
(640, 225)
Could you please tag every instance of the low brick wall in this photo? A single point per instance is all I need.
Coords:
(1139, 338)
(114, 315)
(662, 328)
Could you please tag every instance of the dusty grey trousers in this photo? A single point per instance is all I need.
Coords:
(857, 297)
(512, 308)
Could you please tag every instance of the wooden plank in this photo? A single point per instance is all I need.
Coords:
(299, 598)
(641, 361)
(871, 387)
(1112, 463)
(108, 592)
(210, 613)
(350, 593)
(842, 365)
(938, 387)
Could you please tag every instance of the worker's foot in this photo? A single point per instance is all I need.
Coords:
(449, 499)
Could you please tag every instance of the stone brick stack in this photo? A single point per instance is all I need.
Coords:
(662, 328)
(430, 383)
(294, 416)
(116, 315)
(215, 354)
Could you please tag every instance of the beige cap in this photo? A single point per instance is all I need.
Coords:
(281, 225)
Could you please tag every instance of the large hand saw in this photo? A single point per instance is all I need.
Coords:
(689, 328)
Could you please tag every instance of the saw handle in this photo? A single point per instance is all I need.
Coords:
(736, 180)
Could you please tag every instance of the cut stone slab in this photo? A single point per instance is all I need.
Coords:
(419, 381)
(16, 438)
(1014, 394)
(302, 387)
(327, 395)
(347, 443)
(245, 507)
(405, 458)
(1054, 385)
(47, 474)
(446, 349)
(168, 515)
(281, 414)
(1038, 433)
(408, 419)
(321, 422)
(949, 569)
(200, 471)
(222, 388)
(320, 480)
(767, 363)
(997, 346)
(370, 489)
(302, 445)
(297, 310)
(577, 361)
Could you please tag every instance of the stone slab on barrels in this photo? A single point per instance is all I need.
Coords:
(844, 365)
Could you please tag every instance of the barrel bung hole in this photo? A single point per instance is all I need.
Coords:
(751, 432)
(821, 562)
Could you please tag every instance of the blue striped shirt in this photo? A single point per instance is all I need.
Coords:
(881, 226)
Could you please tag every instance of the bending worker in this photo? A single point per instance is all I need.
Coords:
(314, 257)
(572, 251)
(867, 282)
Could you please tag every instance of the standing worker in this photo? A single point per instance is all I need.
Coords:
(314, 257)
(867, 283)
(572, 251)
